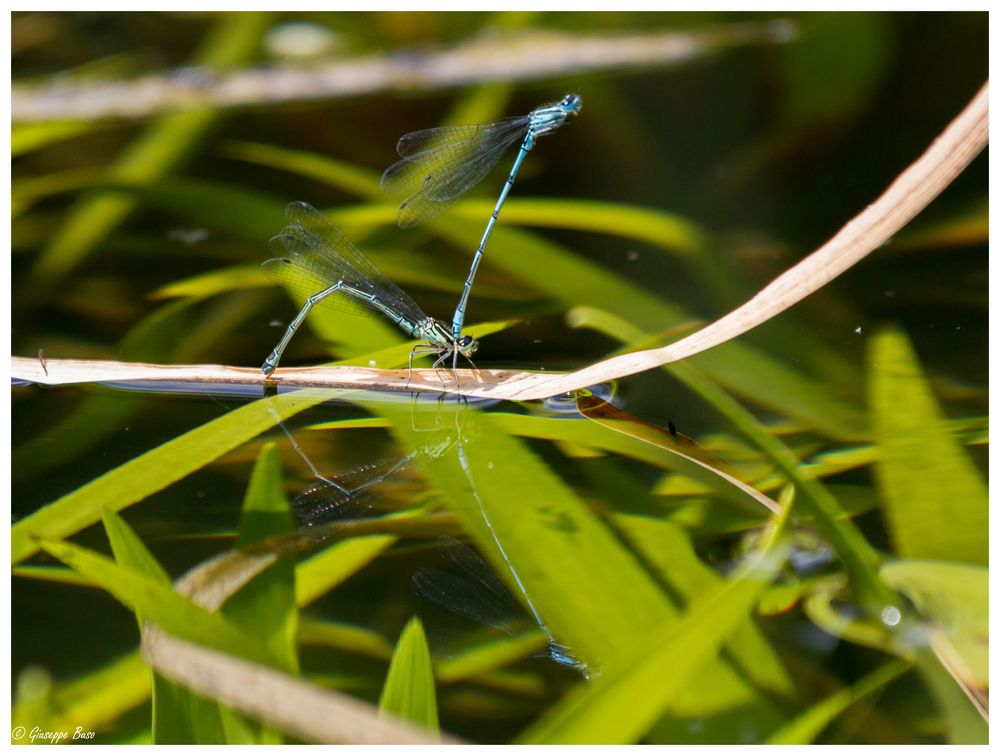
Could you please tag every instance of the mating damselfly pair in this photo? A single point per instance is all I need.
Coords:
(321, 265)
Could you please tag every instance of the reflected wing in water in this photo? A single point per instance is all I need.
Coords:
(480, 596)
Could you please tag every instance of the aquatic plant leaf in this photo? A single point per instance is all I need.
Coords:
(98, 698)
(815, 500)
(27, 137)
(965, 720)
(159, 603)
(807, 726)
(51, 573)
(235, 210)
(321, 572)
(130, 551)
(965, 226)
(933, 498)
(403, 270)
(550, 536)
(182, 718)
(649, 225)
(668, 231)
(503, 492)
(489, 656)
(954, 597)
(347, 176)
(265, 607)
(626, 699)
(214, 282)
(359, 640)
(667, 547)
(409, 686)
(175, 710)
(154, 470)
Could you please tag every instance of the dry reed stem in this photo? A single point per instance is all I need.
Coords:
(511, 57)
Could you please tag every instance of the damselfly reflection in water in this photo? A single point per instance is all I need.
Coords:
(474, 591)
(557, 650)
(333, 500)
(321, 266)
(352, 493)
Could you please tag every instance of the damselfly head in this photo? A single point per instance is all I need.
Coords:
(467, 346)
(571, 104)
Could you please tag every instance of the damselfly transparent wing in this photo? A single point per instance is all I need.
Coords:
(314, 255)
(348, 495)
(480, 596)
(440, 165)
(327, 501)
(476, 593)
(303, 276)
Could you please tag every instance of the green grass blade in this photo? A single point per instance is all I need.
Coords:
(244, 213)
(702, 464)
(265, 607)
(27, 137)
(159, 603)
(647, 225)
(964, 723)
(808, 725)
(130, 551)
(321, 572)
(409, 686)
(339, 173)
(667, 231)
(934, 500)
(668, 548)
(51, 573)
(625, 701)
(182, 718)
(490, 656)
(153, 471)
(357, 640)
(95, 700)
(555, 544)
